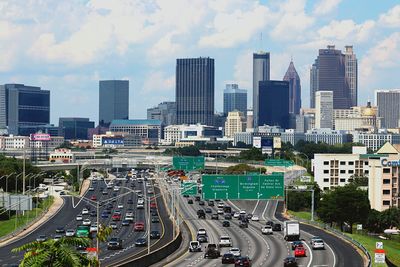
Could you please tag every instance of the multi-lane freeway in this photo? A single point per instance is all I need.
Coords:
(114, 195)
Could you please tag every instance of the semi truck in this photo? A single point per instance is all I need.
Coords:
(291, 230)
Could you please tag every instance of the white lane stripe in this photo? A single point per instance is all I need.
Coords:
(255, 207)
(265, 209)
(311, 254)
(333, 253)
(236, 207)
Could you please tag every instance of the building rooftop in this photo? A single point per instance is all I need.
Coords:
(135, 122)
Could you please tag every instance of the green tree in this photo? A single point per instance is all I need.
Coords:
(60, 253)
(242, 169)
(373, 223)
(252, 154)
(390, 218)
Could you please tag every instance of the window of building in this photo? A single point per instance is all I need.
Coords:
(326, 162)
(386, 203)
(326, 188)
(351, 162)
(343, 163)
(365, 162)
(342, 171)
(386, 181)
(351, 171)
(342, 180)
(326, 171)
(326, 180)
(386, 170)
(386, 192)
(366, 171)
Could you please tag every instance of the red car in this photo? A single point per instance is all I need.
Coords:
(300, 252)
(243, 261)
(138, 226)
(93, 198)
(116, 217)
(153, 205)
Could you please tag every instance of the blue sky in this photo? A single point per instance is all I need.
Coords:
(68, 46)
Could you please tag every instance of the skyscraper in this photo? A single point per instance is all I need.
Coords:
(324, 109)
(23, 105)
(235, 99)
(351, 69)
(113, 101)
(293, 78)
(235, 123)
(74, 128)
(329, 74)
(388, 107)
(261, 71)
(164, 112)
(274, 104)
(194, 91)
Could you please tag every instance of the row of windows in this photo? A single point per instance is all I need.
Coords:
(344, 171)
(344, 163)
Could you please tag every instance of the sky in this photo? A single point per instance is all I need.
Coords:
(68, 46)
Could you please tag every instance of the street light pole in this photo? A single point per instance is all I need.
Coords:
(148, 225)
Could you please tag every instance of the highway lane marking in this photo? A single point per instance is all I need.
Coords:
(265, 209)
(255, 207)
(334, 256)
(311, 254)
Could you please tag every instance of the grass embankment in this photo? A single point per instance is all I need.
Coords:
(305, 215)
(15, 222)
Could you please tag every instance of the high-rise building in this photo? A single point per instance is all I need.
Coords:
(235, 99)
(113, 101)
(194, 91)
(250, 119)
(324, 109)
(261, 72)
(235, 123)
(274, 104)
(388, 107)
(293, 78)
(351, 69)
(23, 105)
(328, 73)
(164, 112)
(74, 128)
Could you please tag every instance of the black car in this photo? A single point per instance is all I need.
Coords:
(130, 201)
(201, 214)
(212, 252)
(185, 195)
(141, 242)
(228, 258)
(208, 210)
(243, 261)
(210, 203)
(290, 262)
(295, 244)
(243, 224)
(93, 213)
(226, 224)
(60, 230)
(201, 203)
(277, 227)
(155, 234)
(190, 201)
(114, 243)
(154, 213)
(125, 223)
(214, 216)
(197, 198)
(202, 238)
(228, 216)
(271, 223)
(155, 219)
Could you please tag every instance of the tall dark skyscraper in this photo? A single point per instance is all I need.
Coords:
(274, 104)
(194, 90)
(235, 99)
(113, 101)
(261, 72)
(351, 69)
(23, 105)
(329, 73)
(293, 78)
(74, 128)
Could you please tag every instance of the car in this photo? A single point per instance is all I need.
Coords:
(62, 193)
(93, 228)
(154, 213)
(150, 191)
(236, 215)
(85, 211)
(70, 232)
(243, 224)
(130, 201)
(300, 252)
(94, 198)
(185, 195)
(125, 222)
(41, 238)
(120, 206)
(155, 234)
(243, 261)
(296, 244)
(227, 209)
(140, 206)
(82, 249)
(91, 189)
(93, 213)
(105, 192)
(116, 188)
(277, 227)
(140, 242)
(201, 203)
(266, 230)
(138, 227)
(113, 225)
(79, 217)
(104, 214)
(86, 222)
(249, 216)
(194, 246)
(271, 223)
(201, 214)
(114, 243)
(318, 244)
(190, 201)
(129, 213)
(225, 241)
(242, 212)
(255, 218)
(60, 230)
(214, 216)
(202, 238)
(116, 217)
(109, 186)
(212, 251)
(226, 224)
(210, 203)
(220, 211)
(201, 231)
(235, 251)
(208, 210)
(155, 219)
(227, 216)
(153, 205)
(290, 262)
(228, 258)
(314, 238)
(220, 205)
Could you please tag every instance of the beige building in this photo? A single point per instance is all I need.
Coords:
(324, 109)
(235, 123)
(363, 118)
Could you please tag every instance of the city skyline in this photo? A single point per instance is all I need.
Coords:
(70, 60)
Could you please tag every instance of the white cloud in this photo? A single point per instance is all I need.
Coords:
(164, 49)
(391, 18)
(346, 30)
(157, 82)
(243, 71)
(324, 7)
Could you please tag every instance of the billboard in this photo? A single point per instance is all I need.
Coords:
(257, 141)
(277, 142)
(15, 202)
(188, 163)
(40, 137)
(115, 141)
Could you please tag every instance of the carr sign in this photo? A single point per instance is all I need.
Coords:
(248, 187)
(188, 163)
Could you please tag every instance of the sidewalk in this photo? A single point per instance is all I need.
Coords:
(53, 210)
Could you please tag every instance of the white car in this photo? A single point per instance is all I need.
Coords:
(220, 211)
(113, 225)
(220, 205)
(318, 244)
(129, 218)
(70, 232)
(255, 218)
(120, 206)
(225, 241)
(86, 222)
(79, 217)
(93, 228)
(201, 231)
(242, 212)
(129, 214)
(235, 251)
(116, 188)
(236, 215)
(91, 189)
(267, 230)
(85, 211)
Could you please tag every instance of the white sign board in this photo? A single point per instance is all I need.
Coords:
(359, 227)
(379, 245)
(379, 257)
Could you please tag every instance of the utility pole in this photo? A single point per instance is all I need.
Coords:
(23, 174)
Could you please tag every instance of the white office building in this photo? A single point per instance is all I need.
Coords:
(235, 123)
(324, 109)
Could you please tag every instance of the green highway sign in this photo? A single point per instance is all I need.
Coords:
(278, 162)
(188, 163)
(253, 186)
(189, 188)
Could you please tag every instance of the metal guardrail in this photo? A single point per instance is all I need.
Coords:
(341, 235)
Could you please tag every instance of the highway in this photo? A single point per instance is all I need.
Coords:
(73, 206)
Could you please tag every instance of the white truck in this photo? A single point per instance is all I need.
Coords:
(291, 230)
